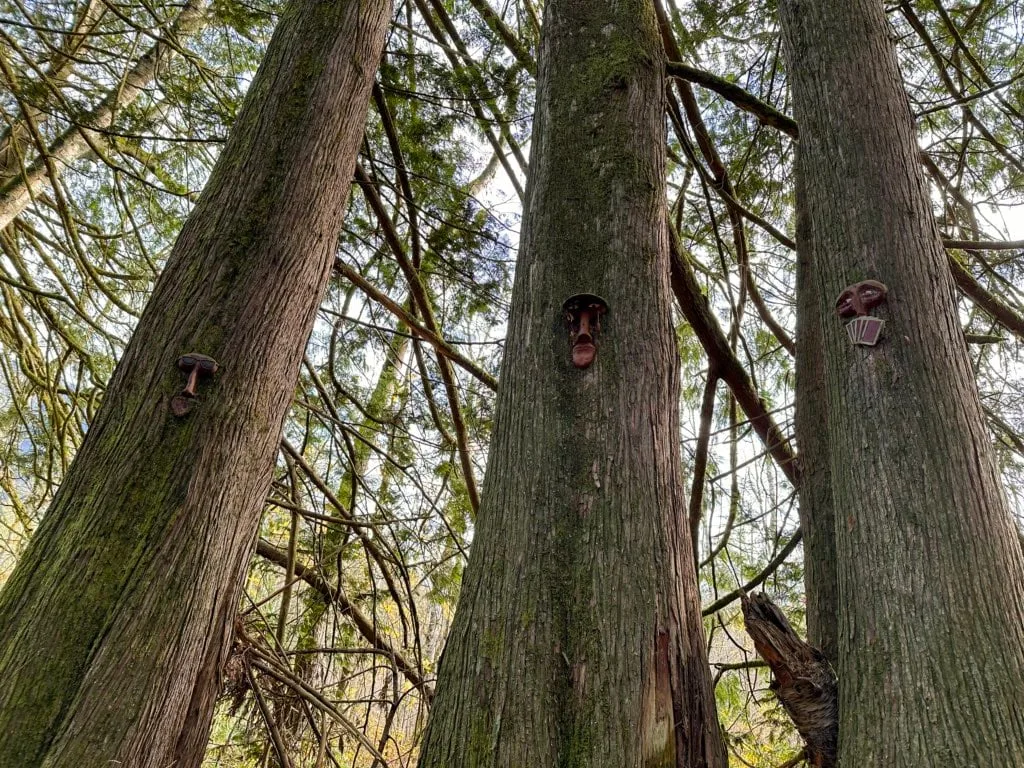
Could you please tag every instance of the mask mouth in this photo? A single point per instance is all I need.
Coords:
(583, 350)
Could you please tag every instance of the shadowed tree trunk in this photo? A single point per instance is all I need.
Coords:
(118, 617)
(929, 572)
(577, 640)
(817, 519)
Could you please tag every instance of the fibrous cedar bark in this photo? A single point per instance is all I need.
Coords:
(929, 572)
(117, 619)
(817, 517)
(577, 640)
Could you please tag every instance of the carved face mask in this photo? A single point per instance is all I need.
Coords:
(859, 298)
(856, 301)
(583, 316)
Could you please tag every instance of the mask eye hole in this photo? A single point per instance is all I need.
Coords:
(860, 297)
(204, 365)
(844, 304)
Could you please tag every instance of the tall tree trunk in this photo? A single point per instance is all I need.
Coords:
(817, 517)
(578, 640)
(118, 617)
(929, 571)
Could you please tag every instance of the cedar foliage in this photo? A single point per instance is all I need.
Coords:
(444, 153)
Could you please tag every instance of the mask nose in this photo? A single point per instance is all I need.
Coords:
(858, 305)
(584, 336)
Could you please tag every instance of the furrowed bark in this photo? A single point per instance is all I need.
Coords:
(929, 571)
(118, 617)
(817, 517)
(578, 640)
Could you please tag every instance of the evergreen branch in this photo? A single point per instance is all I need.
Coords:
(415, 325)
(698, 314)
(748, 102)
(758, 580)
(989, 302)
(362, 623)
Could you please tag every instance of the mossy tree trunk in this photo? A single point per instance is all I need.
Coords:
(577, 640)
(929, 571)
(118, 617)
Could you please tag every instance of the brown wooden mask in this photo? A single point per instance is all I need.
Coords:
(583, 316)
(858, 299)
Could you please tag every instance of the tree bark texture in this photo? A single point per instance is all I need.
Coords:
(817, 517)
(578, 640)
(929, 573)
(118, 617)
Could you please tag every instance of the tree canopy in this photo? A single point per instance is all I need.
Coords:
(113, 114)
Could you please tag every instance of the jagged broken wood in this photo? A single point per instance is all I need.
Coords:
(803, 680)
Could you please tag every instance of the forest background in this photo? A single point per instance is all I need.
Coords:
(114, 114)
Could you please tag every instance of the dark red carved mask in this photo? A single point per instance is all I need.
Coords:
(858, 299)
(583, 316)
